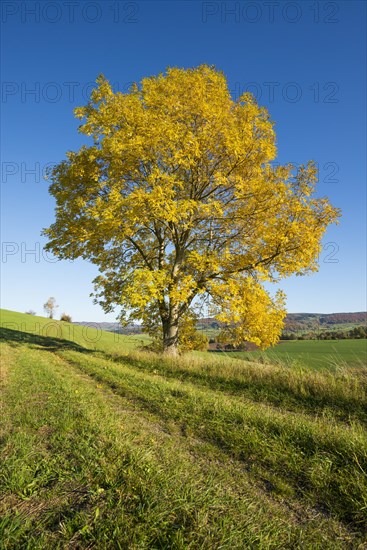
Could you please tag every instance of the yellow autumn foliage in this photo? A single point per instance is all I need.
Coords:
(178, 197)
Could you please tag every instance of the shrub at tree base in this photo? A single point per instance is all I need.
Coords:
(189, 337)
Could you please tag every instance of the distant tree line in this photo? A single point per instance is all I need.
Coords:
(356, 332)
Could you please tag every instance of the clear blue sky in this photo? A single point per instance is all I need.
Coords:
(305, 61)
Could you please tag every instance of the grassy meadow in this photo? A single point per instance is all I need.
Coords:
(107, 446)
(315, 354)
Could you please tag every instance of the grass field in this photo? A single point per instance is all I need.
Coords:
(26, 326)
(316, 354)
(104, 446)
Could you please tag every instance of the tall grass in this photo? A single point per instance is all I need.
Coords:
(104, 448)
(291, 447)
(341, 392)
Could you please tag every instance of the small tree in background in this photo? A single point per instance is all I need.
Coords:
(50, 307)
(65, 317)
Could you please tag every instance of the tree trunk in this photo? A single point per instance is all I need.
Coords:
(170, 337)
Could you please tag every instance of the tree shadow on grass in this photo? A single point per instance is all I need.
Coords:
(51, 343)
(273, 390)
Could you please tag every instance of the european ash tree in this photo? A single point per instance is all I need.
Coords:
(177, 199)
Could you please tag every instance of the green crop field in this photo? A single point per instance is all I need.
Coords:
(105, 446)
(317, 354)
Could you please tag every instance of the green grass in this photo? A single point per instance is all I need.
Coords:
(104, 446)
(317, 354)
(90, 337)
(311, 353)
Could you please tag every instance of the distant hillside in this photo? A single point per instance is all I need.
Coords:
(330, 318)
(322, 321)
(293, 322)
